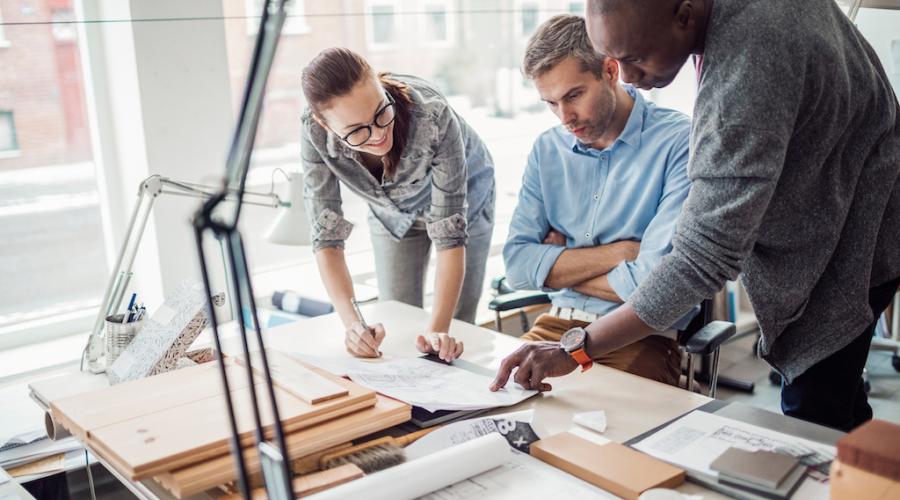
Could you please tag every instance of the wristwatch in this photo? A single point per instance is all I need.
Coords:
(573, 342)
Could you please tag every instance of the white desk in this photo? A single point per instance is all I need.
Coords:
(633, 404)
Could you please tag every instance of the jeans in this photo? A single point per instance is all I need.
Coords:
(831, 392)
(401, 266)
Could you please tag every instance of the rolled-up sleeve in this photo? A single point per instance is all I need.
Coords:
(656, 241)
(322, 199)
(446, 217)
(528, 261)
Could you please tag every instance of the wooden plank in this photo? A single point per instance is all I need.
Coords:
(294, 377)
(189, 433)
(220, 470)
(311, 484)
(83, 412)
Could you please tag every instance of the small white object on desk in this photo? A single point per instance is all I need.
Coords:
(593, 420)
(666, 494)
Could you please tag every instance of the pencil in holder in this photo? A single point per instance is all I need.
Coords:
(119, 335)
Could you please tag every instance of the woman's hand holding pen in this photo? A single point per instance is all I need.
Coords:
(446, 347)
(362, 341)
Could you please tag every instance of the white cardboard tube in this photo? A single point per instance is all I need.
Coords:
(429, 473)
(54, 430)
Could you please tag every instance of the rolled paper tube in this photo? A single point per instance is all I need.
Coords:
(429, 473)
(54, 430)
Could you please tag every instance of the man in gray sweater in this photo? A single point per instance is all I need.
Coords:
(795, 160)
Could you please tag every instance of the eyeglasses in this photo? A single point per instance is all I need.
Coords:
(384, 117)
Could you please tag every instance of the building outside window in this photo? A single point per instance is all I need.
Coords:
(53, 262)
(8, 142)
(3, 41)
(437, 23)
(530, 15)
(382, 21)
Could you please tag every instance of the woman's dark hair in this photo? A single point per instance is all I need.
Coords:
(334, 72)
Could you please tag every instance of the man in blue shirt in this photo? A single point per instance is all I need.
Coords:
(600, 195)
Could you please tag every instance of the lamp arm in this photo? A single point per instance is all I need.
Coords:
(121, 275)
(149, 189)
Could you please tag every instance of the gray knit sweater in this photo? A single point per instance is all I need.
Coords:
(795, 159)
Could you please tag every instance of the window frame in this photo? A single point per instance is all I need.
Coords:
(520, 17)
(16, 150)
(371, 43)
(450, 20)
(4, 42)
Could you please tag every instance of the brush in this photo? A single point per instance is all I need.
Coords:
(375, 455)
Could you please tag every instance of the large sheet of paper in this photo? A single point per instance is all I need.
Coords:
(21, 421)
(420, 382)
(420, 477)
(695, 440)
(519, 477)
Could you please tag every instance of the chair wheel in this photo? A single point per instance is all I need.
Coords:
(895, 362)
(774, 377)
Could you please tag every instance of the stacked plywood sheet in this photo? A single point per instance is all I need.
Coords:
(174, 426)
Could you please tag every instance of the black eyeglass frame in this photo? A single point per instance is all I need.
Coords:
(368, 127)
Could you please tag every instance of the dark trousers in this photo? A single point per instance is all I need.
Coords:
(831, 392)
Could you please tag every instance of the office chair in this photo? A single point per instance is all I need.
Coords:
(701, 338)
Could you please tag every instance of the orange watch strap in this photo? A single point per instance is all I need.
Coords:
(582, 359)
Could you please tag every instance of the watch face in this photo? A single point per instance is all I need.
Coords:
(573, 339)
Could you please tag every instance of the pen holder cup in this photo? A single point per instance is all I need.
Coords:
(119, 335)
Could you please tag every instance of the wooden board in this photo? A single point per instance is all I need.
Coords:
(189, 433)
(118, 403)
(211, 473)
(294, 377)
(311, 484)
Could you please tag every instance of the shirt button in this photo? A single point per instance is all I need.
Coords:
(587, 235)
(596, 196)
(602, 157)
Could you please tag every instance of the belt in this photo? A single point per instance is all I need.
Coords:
(570, 314)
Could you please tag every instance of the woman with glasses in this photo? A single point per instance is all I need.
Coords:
(427, 177)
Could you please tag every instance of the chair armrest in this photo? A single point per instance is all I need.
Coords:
(709, 338)
(500, 287)
(516, 300)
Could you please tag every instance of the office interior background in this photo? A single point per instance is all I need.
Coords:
(96, 95)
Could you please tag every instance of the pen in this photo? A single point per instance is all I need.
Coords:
(126, 317)
(362, 320)
(359, 315)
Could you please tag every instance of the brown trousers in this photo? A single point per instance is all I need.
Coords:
(654, 357)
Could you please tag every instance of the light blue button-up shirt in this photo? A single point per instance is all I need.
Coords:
(632, 190)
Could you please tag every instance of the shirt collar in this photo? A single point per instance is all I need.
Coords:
(634, 127)
(334, 144)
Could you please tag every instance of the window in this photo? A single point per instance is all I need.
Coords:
(8, 141)
(382, 24)
(3, 41)
(437, 27)
(53, 263)
(529, 18)
(295, 24)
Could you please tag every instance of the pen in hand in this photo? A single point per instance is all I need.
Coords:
(362, 321)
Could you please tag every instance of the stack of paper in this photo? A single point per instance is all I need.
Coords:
(22, 435)
(696, 440)
(423, 383)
